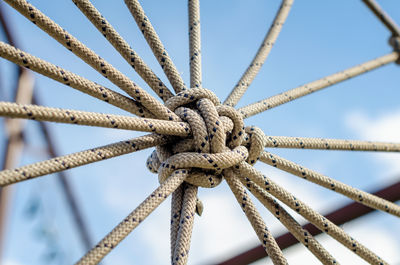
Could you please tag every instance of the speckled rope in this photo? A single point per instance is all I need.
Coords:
(329, 144)
(96, 254)
(40, 113)
(249, 172)
(365, 198)
(63, 76)
(123, 48)
(61, 163)
(261, 55)
(181, 244)
(92, 59)
(302, 235)
(317, 85)
(259, 226)
(156, 45)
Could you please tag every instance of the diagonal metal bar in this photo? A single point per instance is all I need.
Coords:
(317, 85)
(383, 17)
(156, 45)
(261, 55)
(119, 43)
(339, 216)
(329, 144)
(40, 113)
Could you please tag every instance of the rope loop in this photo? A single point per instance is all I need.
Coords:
(215, 143)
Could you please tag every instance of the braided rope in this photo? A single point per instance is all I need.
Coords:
(63, 76)
(383, 17)
(329, 144)
(123, 48)
(156, 45)
(96, 254)
(365, 198)
(302, 235)
(317, 85)
(247, 172)
(61, 163)
(213, 141)
(40, 113)
(261, 55)
(258, 224)
(91, 58)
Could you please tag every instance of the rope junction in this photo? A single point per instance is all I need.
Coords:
(199, 142)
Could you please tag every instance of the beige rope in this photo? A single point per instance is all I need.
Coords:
(248, 172)
(183, 237)
(329, 144)
(155, 44)
(176, 209)
(123, 48)
(40, 113)
(96, 254)
(317, 85)
(61, 75)
(258, 224)
(302, 235)
(61, 163)
(194, 43)
(365, 198)
(92, 59)
(261, 55)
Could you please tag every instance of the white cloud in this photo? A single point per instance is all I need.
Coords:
(385, 128)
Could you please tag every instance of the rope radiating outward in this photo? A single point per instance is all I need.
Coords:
(156, 45)
(329, 144)
(61, 163)
(317, 85)
(61, 75)
(40, 113)
(198, 141)
(123, 48)
(329, 183)
(262, 54)
(92, 59)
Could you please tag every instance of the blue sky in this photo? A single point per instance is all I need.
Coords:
(318, 39)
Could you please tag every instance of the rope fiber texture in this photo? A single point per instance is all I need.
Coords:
(198, 141)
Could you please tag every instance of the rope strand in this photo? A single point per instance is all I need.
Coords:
(110, 241)
(68, 78)
(40, 113)
(123, 48)
(363, 197)
(248, 172)
(317, 85)
(92, 59)
(261, 55)
(89, 156)
(156, 45)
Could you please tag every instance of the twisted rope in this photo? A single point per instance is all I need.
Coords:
(156, 45)
(317, 85)
(63, 76)
(261, 55)
(92, 59)
(365, 198)
(133, 59)
(211, 140)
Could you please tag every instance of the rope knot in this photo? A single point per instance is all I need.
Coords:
(214, 144)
